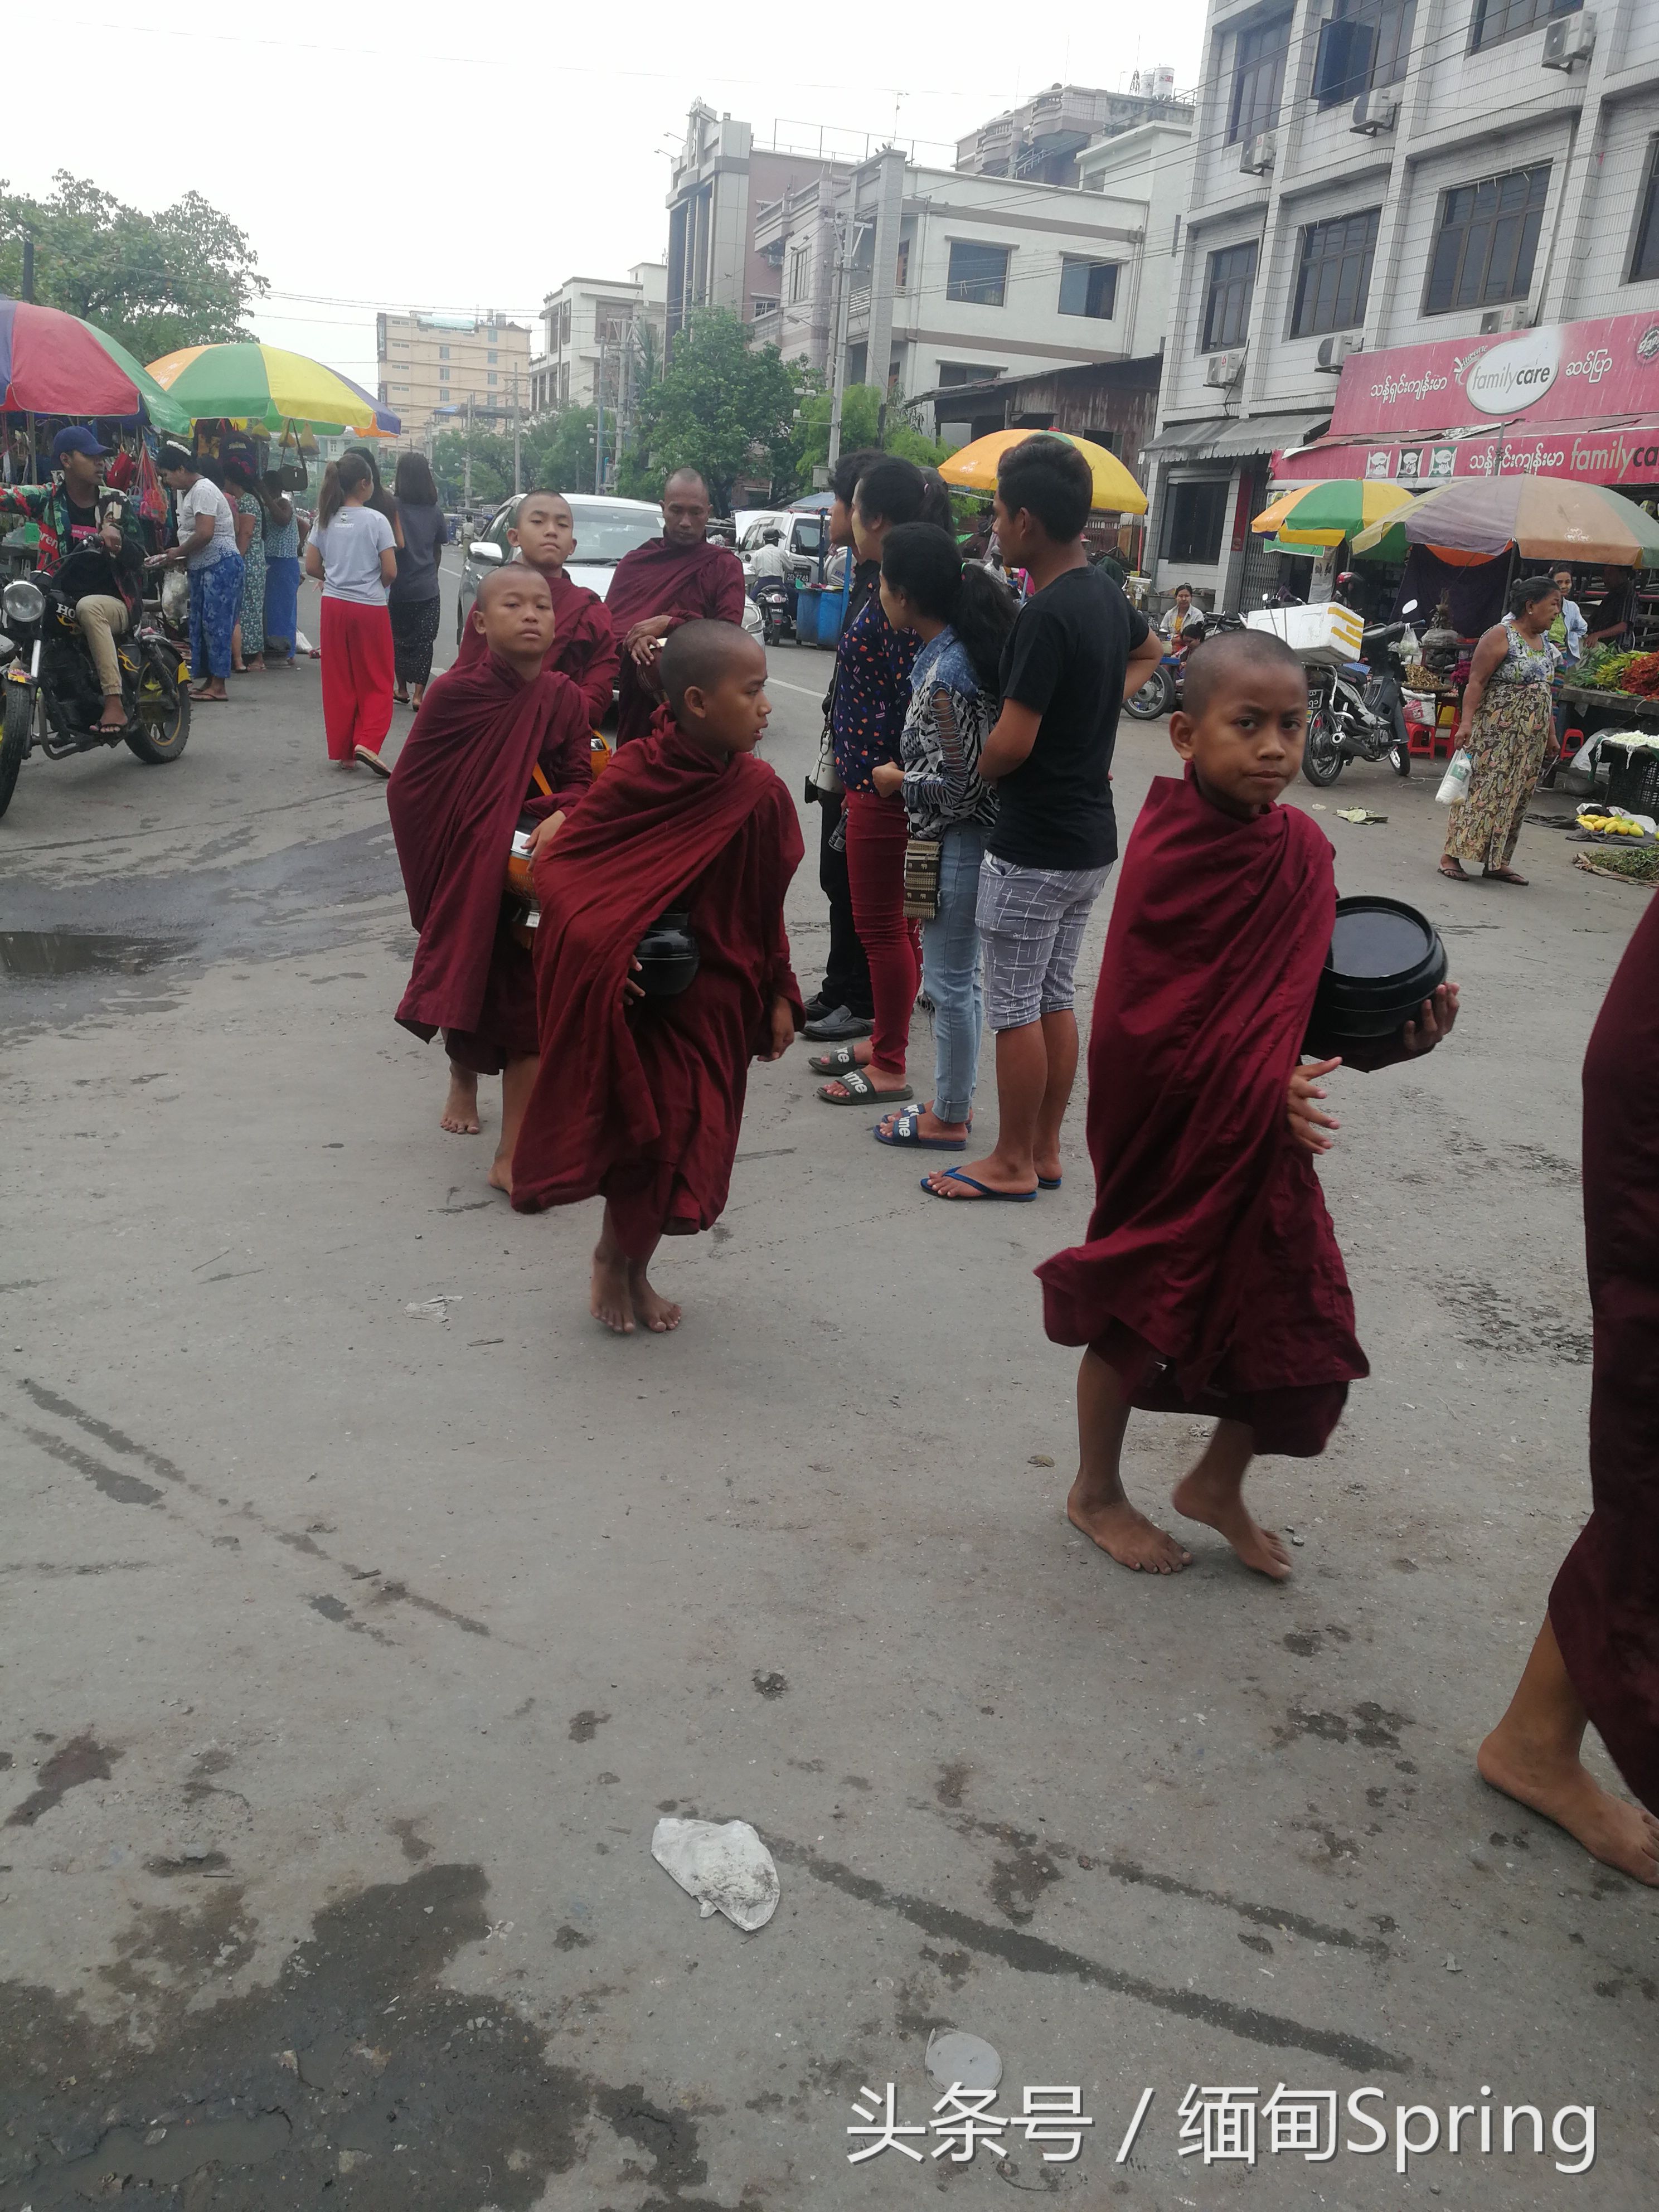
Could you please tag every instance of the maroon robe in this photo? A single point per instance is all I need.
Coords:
(1604, 1607)
(584, 645)
(1211, 1278)
(462, 781)
(645, 1103)
(688, 583)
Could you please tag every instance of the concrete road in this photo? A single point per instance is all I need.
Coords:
(353, 1653)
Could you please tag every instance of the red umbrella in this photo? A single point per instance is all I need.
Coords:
(51, 363)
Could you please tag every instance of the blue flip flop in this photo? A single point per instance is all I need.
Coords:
(905, 1133)
(1049, 1182)
(979, 1189)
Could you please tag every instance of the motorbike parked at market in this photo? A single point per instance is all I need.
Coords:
(771, 595)
(1358, 712)
(52, 695)
(1161, 692)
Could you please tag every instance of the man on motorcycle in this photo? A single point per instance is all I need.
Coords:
(99, 563)
(1183, 622)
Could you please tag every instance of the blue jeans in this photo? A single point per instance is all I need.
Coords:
(950, 973)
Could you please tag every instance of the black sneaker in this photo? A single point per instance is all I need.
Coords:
(839, 1026)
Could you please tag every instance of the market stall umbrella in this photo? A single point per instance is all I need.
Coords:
(268, 388)
(51, 363)
(1326, 512)
(1549, 518)
(973, 468)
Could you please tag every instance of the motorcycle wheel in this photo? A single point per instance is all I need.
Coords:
(159, 732)
(1156, 697)
(1400, 759)
(1322, 757)
(14, 740)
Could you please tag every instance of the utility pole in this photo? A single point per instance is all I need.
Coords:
(625, 407)
(467, 462)
(518, 425)
(28, 267)
(839, 340)
(598, 418)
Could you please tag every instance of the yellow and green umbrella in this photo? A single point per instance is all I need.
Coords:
(267, 389)
(973, 468)
(1326, 512)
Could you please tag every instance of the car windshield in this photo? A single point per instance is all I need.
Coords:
(605, 533)
(756, 534)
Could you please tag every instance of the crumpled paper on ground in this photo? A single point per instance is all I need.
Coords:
(724, 1865)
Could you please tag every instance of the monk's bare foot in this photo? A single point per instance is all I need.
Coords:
(1560, 1787)
(609, 1301)
(460, 1113)
(659, 1314)
(500, 1175)
(1127, 1535)
(1221, 1507)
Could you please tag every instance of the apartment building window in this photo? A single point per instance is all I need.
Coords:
(966, 371)
(759, 307)
(489, 376)
(1363, 43)
(978, 274)
(1227, 297)
(1087, 288)
(443, 353)
(1258, 54)
(1644, 247)
(1497, 20)
(1486, 240)
(901, 269)
(1334, 274)
(801, 273)
(492, 357)
(1193, 520)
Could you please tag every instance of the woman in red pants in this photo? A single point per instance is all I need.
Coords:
(871, 697)
(352, 549)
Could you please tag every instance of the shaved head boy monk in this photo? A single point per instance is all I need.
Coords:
(676, 578)
(1209, 1282)
(497, 740)
(542, 534)
(639, 1098)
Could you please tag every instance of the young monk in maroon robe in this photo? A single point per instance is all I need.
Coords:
(642, 1098)
(1211, 1282)
(584, 647)
(677, 578)
(494, 741)
(1597, 1655)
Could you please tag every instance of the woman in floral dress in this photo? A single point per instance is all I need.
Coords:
(1506, 724)
(247, 502)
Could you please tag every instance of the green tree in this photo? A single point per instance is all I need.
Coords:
(559, 453)
(492, 465)
(185, 276)
(861, 425)
(723, 406)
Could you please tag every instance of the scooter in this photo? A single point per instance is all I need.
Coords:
(1161, 693)
(771, 596)
(52, 696)
(1358, 712)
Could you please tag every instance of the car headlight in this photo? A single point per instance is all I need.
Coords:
(23, 602)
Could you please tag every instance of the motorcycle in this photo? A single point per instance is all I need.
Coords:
(1358, 712)
(52, 697)
(1161, 692)
(771, 596)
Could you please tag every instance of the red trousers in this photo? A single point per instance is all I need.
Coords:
(357, 676)
(877, 833)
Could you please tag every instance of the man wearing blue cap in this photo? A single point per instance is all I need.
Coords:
(102, 561)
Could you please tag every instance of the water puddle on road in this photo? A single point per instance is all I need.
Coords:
(35, 952)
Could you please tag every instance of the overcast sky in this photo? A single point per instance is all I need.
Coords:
(460, 157)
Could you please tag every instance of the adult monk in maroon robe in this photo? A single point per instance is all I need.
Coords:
(1597, 1656)
(677, 578)
(543, 533)
(642, 1097)
(1211, 1282)
(494, 742)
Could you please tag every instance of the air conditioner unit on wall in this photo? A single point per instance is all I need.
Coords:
(1374, 112)
(1518, 317)
(1224, 369)
(1334, 351)
(1572, 40)
(1258, 155)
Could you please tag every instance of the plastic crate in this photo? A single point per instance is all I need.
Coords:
(1632, 777)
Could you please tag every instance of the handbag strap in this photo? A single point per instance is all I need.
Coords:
(540, 781)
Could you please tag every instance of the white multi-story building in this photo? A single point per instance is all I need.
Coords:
(1378, 178)
(590, 320)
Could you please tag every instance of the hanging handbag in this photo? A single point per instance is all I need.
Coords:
(290, 462)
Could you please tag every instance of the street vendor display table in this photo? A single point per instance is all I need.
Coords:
(1608, 710)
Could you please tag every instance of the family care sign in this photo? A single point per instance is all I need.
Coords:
(1569, 400)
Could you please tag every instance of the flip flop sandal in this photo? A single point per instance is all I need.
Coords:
(833, 1063)
(979, 1189)
(904, 1132)
(860, 1091)
(1049, 1182)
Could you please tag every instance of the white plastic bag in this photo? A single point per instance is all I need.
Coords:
(1454, 784)
(724, 1865)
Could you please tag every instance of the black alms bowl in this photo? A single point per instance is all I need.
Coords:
(667, 955)
(1385, 958)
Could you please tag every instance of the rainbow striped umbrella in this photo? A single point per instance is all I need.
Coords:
(51, 363)
(1326, 512)
(267, 389)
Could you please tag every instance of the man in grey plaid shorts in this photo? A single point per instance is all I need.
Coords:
(1076, 652)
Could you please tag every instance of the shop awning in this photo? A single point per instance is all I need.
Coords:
(1618, 449)
(1233, 436)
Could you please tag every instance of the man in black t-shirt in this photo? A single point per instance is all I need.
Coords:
(1075, 653)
